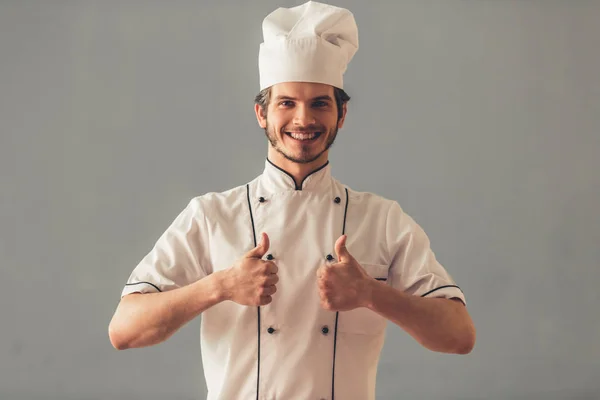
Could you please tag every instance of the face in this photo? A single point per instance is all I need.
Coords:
(301, 122)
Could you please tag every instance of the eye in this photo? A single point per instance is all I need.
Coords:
(320, 103)
(286, 103)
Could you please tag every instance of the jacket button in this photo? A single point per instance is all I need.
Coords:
(325, 330)
(261, 199)
(337, 200)
(269, 256)
(271, 330)
(329, 257)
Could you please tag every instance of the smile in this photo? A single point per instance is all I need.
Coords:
(304, 136)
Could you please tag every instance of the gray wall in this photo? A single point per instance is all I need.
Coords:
(482, 118)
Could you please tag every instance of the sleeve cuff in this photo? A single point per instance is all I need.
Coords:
(140, 287)
(448, 292)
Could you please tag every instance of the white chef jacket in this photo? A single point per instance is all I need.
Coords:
(292, 348)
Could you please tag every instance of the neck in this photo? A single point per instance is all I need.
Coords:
(298, 171)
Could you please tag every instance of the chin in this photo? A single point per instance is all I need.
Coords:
(303, 158)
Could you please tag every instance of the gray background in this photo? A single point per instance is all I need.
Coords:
(482, 118)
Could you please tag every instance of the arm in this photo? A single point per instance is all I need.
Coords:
(147, 319)
(439, 324)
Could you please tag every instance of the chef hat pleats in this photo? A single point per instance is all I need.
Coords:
(313, 42)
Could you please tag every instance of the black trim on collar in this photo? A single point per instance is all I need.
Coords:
(441, 287)
(337, 314)
(290, 175)
(257, 308)
(147, 283)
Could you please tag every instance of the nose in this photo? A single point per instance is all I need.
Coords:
(303, 116)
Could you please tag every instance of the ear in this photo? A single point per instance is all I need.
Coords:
(260, 116)
(344, 110)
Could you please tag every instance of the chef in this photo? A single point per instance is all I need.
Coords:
(295, 274)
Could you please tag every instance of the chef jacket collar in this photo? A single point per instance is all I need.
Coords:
(276, 179)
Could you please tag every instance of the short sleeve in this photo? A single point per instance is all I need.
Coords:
(414, 268)
(176, 258)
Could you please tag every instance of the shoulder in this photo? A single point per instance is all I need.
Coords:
(369, 199)
(227, 201)
(371, 209)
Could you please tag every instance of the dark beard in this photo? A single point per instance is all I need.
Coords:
(304, 160)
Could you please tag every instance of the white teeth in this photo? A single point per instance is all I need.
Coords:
(303, 136)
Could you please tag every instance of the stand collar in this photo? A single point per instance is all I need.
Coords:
(276, 179)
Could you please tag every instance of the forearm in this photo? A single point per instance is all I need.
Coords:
(146, 319)
(438, 324)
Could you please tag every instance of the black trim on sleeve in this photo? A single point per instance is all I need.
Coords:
(147, 283)
(441, 287)
(257, 308)
(337, 314)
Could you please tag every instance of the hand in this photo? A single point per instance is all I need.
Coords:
(344, 285)
(251, 280)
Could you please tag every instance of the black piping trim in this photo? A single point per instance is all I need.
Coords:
(257, 308)
(345, 212)
(250, 209)
(337, 314)
(147, 283)
(441, 287)
(290, 175)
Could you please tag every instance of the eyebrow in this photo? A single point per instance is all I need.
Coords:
(325, 97)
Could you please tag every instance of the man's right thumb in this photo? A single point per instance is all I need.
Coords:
(261, 248)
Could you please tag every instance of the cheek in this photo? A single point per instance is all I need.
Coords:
(330, 120)
(276, 122)
(272, 125)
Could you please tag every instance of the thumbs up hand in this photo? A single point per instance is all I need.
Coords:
(343, 285)
(251, 280)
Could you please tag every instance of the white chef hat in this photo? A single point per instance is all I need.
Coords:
(313, 42)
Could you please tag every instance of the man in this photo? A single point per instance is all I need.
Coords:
(295, 274)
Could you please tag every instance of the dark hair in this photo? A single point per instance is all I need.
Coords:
(341, 98)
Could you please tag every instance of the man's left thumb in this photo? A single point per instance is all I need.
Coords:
(340, 249)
